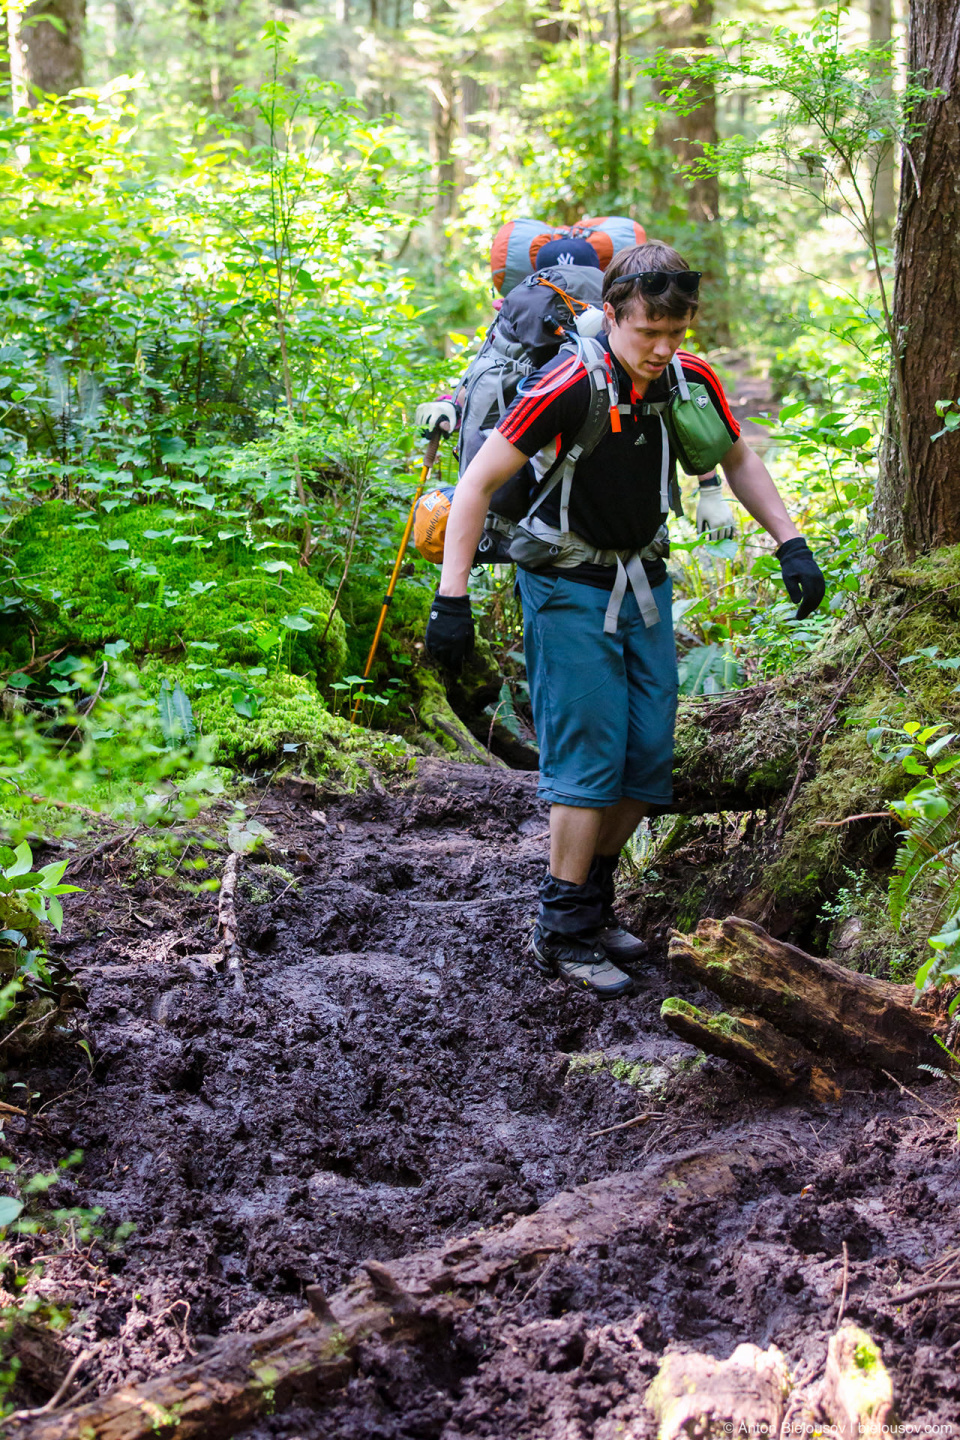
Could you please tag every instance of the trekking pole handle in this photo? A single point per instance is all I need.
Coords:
(433, 445)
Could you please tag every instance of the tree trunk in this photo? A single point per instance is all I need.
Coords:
(442, 132)
(686, 26)
(616, 66)
(884, 197)
(46, 59)
(849, 1019)
(918, 495)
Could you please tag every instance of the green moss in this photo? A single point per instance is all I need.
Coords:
(721, 1024)
(866, 1356)
(290, 713)
(159, 596)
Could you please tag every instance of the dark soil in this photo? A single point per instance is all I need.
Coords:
(396, 1074)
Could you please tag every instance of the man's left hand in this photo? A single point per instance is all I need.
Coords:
(801, 575)
(714, 515)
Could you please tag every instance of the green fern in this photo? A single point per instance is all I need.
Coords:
(930, 850)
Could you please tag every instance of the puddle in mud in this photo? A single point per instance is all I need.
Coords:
(397, 1074)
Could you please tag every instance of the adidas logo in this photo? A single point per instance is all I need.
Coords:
(640, 440)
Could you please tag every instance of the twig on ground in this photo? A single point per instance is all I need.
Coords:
(265, 789)
(89, 710)
(59, 1394)
(905, 1090)
(846, 1281)
(227, 920)
(868, 815)
(935, 1287)
(6, 1109)
(625, 1124)
(112, 843)
(375, 782)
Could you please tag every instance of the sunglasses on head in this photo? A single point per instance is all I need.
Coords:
(654, 282)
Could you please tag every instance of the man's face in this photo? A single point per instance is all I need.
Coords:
(643, 346)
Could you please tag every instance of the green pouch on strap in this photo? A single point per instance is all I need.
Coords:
(698, 435)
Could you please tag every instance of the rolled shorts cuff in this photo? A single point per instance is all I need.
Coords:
(660, 797)
(578, 799)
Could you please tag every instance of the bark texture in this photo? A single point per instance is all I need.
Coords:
(850, 1019)
(918, 498)
(43, 58)
(752, 1043)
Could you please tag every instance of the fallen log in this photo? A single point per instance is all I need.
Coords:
(695, 1394)
(410, 1301)
(752, 1043)
(847, 1017)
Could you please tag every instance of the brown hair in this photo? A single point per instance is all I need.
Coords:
(654, 255)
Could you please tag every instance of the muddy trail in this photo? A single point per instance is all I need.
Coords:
(394, 1076)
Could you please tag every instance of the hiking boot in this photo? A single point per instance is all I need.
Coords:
(620, 945)
(580, 961)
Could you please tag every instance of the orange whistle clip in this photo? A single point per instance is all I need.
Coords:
(615, 419)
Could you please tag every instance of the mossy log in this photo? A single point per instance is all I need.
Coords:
(695, 1394)
(753, 1043)
(444, 727)
(857, 1392)
(412, 1301)
(736, 751)
(849, 1018)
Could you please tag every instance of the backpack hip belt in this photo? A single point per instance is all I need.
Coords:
(539, 546)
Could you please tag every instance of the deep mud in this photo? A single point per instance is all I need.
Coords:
(395, 1075)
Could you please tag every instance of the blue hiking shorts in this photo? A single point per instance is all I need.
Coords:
(604, 705)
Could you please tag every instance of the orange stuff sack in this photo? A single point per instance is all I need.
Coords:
(430, 523)
(516, 245)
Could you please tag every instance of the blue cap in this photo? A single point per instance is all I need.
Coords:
(570, 251)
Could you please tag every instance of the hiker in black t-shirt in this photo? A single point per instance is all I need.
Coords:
(600, 656)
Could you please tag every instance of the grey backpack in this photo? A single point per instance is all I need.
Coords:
(536, 322)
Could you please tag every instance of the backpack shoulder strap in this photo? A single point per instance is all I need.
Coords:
(593, 358)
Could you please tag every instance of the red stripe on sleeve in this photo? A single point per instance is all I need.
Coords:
(701, 368)
(513, 426)
(520, 414)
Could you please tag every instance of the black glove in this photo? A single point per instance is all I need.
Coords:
(801, 575)
(449, 637)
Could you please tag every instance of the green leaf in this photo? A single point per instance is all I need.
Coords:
(295, 622)
(18, 681)
(116, 648)
(23, 861)
(10, 1210)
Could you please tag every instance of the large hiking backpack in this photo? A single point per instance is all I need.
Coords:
(542, 316)
(517, 244)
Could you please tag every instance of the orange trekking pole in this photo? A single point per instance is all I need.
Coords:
(433, 445)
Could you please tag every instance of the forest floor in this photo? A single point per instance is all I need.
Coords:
(394, 1075)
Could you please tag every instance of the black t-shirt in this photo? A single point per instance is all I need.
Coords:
(615, 502)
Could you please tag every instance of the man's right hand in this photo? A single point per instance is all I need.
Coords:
(434, 414)
(450, 636)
